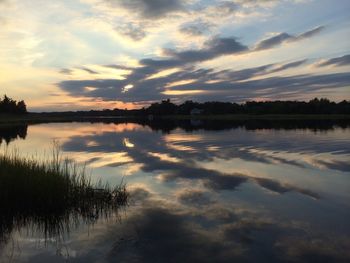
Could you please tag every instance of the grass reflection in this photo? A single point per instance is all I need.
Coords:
(51, 196)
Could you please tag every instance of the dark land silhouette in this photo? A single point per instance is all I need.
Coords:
(12, 112)
(166, 107)
(11, 106)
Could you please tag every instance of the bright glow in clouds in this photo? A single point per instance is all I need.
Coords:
(96, 54)
(127, 88)
(127, 143)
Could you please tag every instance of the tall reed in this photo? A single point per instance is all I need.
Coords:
(52, 195)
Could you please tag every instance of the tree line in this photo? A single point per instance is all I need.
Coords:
(11, 106)
(315, 106)
(166, 107)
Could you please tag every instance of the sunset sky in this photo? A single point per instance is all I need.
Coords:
(92, 54)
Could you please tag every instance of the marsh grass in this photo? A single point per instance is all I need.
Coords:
(51, 196)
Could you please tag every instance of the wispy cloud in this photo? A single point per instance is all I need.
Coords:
(66, 71)
(210, 84)
(134, 31)
(196, 28)
(285, 37)
(149, 84)
(150, 9)
(90, 71)
(338, 61)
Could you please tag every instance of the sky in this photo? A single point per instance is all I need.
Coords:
(62, 55)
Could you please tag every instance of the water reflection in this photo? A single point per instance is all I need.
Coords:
(50, 216)
(254, 191)
(14, 131)
(49, 199)
(162, 232)
(9, 133)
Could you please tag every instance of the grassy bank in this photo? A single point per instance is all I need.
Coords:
(44, 117)
(260, 117)
(51, 195)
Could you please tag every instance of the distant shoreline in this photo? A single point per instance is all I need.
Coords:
(63, 117)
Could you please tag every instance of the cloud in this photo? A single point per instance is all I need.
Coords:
(218, 10)
(289, 65)
(150, 9)
(135, 32)
(90, 71)
(221, 85)
(151, 234)
(143, 87)
(338, 61)
(66, 71)
(277, 187)
(186, 169)
(227, 7)
(193, 197)
(208, 83)
(196, 28)
(285, 37)
(224, 181)
(243, 74)
(315, 249)
(152, 65)
(114, 66)
(248, 73)
(334, 165)
(270, 87)
(243, 231)
(225, 232)
(273, 41)
(309, 33)
(105, 88)
(213, 48)
(139, 194)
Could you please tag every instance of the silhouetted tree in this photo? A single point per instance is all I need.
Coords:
(8, 105)
(21, 107)
(164, 108)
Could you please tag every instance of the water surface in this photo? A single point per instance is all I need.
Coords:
(256, 191)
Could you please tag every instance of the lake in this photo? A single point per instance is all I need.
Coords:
(200, 191)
